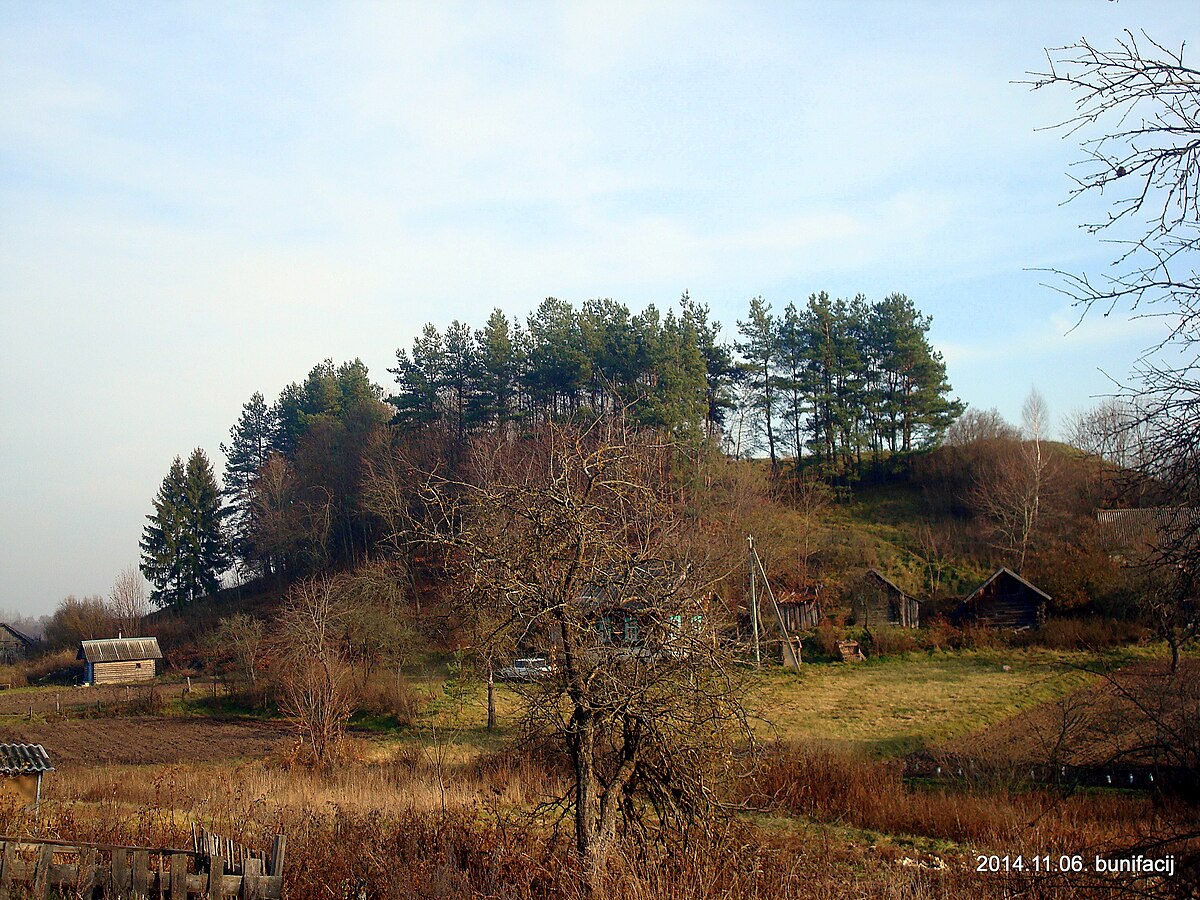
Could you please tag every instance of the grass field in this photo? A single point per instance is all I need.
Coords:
(902, 704)
(882, 707)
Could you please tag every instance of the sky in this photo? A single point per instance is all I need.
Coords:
(203, 200)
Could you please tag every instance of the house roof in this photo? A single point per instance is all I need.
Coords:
(23, 638)
(1147, 522)
(24, 759)
(1004, 570)
(119, 649)
(888, 583)
(804, 596)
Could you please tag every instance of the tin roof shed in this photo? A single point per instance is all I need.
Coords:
(119, 650)
(24, 759)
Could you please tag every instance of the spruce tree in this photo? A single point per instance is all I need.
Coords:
(252, 440)
(183, 548)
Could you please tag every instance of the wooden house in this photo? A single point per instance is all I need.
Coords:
(22, 767)
(646, 612)
(119, 660)
(14, 646)
(1006, 600)
(875, 602)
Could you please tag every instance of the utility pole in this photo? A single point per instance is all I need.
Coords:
(753, 604)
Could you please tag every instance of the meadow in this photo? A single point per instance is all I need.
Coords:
(441, 807)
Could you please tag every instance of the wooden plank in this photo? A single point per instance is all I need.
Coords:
(179, 877)
(216, 871)
(141, 873)
(119, 877)
(87, 878)
(278, 852)
(252, 871)
(41, 874)
(6, 869)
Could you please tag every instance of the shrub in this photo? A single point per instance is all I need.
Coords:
(1088, 633)
(892, 641)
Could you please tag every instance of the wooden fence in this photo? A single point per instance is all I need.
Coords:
(214, 868)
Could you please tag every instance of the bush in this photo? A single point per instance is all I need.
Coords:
(892, 641)
(1088, 633)
(389, 695)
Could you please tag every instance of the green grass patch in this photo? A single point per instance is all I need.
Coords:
(897, 705)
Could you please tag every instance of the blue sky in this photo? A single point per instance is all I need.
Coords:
(202, 200)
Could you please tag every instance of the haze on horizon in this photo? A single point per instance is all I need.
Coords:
(199, 201)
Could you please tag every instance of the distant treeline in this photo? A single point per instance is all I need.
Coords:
(830, 385)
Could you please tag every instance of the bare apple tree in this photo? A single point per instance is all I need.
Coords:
(571, 539)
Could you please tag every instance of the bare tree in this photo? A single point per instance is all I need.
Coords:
(237, 646)
(316, 675)
(1145, 103)
(572, 539)
(1010, 487)
(129, 601)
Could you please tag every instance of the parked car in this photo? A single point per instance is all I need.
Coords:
(529, 668)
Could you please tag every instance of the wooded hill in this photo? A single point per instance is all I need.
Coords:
(847, 400)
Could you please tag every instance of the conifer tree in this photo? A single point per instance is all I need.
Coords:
(252, 440)
(183, 548)
(760, 350)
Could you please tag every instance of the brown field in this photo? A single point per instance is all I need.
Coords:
(147, 740)
(442, 809)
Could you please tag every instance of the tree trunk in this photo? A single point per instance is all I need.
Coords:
(491, 699)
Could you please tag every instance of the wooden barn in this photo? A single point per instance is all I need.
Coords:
(1006, 600)
(875, 601)
(14, 646)
(22, 766)
(119, 660)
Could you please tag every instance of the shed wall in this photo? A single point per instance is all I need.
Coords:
(123, 672)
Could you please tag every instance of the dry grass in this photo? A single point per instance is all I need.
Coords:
(902, 704)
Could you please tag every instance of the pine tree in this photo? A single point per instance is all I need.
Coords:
(183, 548)
(252, 440)
(760, 350)
(495, 401)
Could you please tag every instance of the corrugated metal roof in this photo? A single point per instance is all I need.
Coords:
(119, 649)
(24, 759)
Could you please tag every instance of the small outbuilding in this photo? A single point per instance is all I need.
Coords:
(800, 610)
(14, 646)
(875, 601)
(119, 660)
(22, 767)
(1006, 600)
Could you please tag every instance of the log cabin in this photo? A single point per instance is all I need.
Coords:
(14, 646)
(119, 660)
(1006, 600)
(875, 602)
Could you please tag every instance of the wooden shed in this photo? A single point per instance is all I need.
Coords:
(14, 646)
(800, 610)
(22, 767)
(1006, 600)
(119, 660)
(875, 601)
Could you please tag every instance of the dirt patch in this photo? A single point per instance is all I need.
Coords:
(50, 699)
(144, 740)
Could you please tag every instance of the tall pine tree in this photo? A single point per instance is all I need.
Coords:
(251, 442)
(183, 548)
